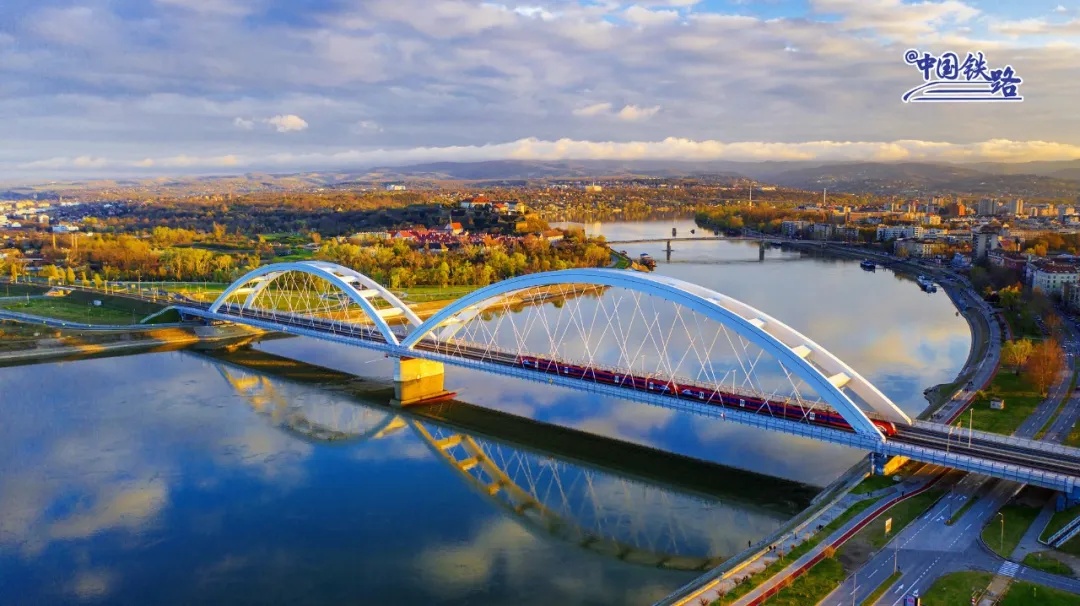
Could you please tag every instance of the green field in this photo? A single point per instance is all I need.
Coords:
(872, 483)
(1021, 399)
(72, 311)
(1045, 561)
(902, 514)
(1028, 594)
(14, 290)
(1017, 520)
(812, 586)
(956, 588)
(753, 581)
(419, 294)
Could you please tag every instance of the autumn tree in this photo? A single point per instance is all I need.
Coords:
(1045, 363)
(1016, 353)
(1010, 297)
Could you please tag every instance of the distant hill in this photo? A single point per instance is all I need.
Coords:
(554, 169)
(1030, 179)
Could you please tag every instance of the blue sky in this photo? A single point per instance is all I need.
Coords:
(111, 87)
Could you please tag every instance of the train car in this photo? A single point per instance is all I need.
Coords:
(664, 387)
(888, 428)
(697, 393)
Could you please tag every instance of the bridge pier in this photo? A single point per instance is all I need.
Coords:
(885, 465)
(417, 381)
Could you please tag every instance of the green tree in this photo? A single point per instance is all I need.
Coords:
(443, 274)
(1016, 353)
(51, 273)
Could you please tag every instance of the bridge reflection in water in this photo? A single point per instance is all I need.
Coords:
(602, 510)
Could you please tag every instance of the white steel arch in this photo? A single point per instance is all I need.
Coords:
(812, 363)
(345, 279)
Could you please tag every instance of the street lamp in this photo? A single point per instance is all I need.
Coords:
(1002, 533)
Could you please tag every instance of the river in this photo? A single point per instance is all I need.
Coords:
(176, 478)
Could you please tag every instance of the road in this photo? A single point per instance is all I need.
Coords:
(929, 548)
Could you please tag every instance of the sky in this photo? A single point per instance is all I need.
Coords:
(161, 87)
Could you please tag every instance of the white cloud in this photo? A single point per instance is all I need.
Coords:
(1060, 9)
(595, 109)
(1035, 27)
(436, 74)
(633, 113)
(367, 126)
(536, 12)
(1000, 150)
(896, 18)
(287, 123)
(643, 16)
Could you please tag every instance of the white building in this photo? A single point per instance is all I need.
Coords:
(1051, 278)
(1015, 207)
(920, 248)
(790, 229)
(895, 232)
(983, 241)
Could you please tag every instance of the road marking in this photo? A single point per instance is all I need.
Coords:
(1009, 569)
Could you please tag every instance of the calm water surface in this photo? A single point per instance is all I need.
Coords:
(177, 478)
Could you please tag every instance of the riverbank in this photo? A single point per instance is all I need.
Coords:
(69, 345)
(945, 400)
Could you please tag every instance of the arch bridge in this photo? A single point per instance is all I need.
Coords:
(630, 335)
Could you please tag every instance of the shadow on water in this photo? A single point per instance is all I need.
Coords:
(642, 463)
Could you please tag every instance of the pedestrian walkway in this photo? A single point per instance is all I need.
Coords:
(1029, 543)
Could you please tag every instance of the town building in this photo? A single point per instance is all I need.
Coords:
(895, 232)
(1051, 278)
(1015, 207)
(983, 240)
(919, 248)
(1007, 259)
(792, 229)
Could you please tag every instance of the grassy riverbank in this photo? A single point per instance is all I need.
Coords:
(59, 308)
(1021, 400)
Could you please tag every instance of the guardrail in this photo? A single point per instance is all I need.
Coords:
(1065, 533)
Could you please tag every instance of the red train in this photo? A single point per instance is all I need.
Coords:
(703, 394)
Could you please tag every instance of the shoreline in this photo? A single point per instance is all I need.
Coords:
(955, 286)
(980, 345)
(165, 339)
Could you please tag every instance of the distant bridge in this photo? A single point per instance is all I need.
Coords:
(628, 335)
(685, 239)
